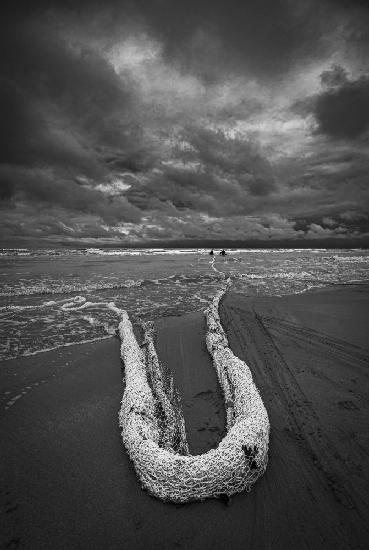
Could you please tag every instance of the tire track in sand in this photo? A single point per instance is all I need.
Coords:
(320, 477)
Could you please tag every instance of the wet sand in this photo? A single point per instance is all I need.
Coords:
(66, 481)
(194, 377)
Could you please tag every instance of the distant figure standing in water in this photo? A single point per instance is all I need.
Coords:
(211, 253)
(222, 252)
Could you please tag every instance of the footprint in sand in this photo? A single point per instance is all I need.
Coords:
(348, 405)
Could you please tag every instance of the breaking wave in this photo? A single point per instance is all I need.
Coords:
(58, 301)
(39, 288)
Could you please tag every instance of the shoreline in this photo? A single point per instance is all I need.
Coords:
(66, 478)
(310, 290)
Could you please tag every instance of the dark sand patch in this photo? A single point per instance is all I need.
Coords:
(180, 344)
(66, 481)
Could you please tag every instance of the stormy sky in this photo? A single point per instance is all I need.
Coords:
(151, 121)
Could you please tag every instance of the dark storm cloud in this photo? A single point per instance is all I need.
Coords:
(333, 77)
(351, 221)
(332, 182)
(49, 82)
(342, 111)
(211, 37)
(232, 156)
(178, 119)
(65, 112)
(211, 173)
(54, 225)
(28, 139)
(41, 187)
(263, 37)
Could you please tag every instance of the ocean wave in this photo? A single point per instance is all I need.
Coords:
(24, 252)
(64, 288)
(46, 309)
(301, 275)
(353, 259)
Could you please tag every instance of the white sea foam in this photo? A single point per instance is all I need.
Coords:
(60, 287)
(29, 353)
(352, 259)
(40, 288)
(24, 252)
(278, 275)
(44, 307)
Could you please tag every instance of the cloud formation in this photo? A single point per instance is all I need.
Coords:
(127, 122)
(342, 111)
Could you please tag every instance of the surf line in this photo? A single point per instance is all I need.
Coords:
(153, 429)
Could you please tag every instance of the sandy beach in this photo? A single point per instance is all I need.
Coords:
(66, 481)
(184, 275)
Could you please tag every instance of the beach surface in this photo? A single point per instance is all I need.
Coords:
(66, 481)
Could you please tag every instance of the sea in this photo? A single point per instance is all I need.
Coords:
(62, 297)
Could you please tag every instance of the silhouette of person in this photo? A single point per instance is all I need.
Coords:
(211, 253)
(222, 253)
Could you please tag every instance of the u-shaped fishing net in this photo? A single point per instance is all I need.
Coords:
(153, 428)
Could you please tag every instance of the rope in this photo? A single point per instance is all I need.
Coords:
(153, 428)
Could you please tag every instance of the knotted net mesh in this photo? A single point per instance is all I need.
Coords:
(153, 428)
